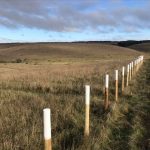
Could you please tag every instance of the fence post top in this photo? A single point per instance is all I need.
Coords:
(123, 68)
(128, 68)
(107, 81)
(46, 110)
(116, 74)
(87, 94)
(87, 86)
(47, 123)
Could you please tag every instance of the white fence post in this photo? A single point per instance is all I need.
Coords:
(47, 128)
(87, 110)
(128, 68)
(116, 85)
(106, 101)
(130, 71)
(123, 68)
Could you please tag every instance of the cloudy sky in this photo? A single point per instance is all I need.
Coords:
(74, 20)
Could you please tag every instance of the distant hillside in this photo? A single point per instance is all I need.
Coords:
(119, 43)
(143, 47)
(131, 42)
(46, 51)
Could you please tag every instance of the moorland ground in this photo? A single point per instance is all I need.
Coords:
(144, 47)
(35, 76)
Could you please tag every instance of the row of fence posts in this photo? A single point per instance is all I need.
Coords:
(131, 70)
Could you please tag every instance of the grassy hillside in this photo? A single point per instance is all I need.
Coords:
(143, 47)
(61, 51)
(27, 88)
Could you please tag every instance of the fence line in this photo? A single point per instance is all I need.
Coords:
(131, 70)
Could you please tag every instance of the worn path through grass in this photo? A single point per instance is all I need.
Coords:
(131, 131)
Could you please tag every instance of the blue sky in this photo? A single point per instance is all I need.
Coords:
(79, 20)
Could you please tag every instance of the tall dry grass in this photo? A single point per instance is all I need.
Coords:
(27, 89)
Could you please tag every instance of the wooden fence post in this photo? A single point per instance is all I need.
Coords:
(135, 65)
(116, 85)
(87, 110)
(130, 71)
(127, 83)
(132, 68)
(139, 61)
(47, 129)
(138, 64)
(106, 101)
(123, 78)
(142, 59)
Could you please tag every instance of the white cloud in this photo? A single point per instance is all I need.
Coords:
(72, 16)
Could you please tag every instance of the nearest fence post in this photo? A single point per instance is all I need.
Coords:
(128, 75)
(87, 110)
(116, 85)
(47, 129)
(123, 78)
(106, 101)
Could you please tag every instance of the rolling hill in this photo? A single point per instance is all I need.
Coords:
(143, 47)
(27, 88)
(57, 51)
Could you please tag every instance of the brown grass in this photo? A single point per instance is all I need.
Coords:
(28, 88)
(62, 51)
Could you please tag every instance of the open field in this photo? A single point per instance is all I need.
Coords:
(54, 76)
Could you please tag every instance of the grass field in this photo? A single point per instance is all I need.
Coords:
(60, 52)
(54, 76)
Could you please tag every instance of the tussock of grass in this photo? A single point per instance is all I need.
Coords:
(137, 134)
